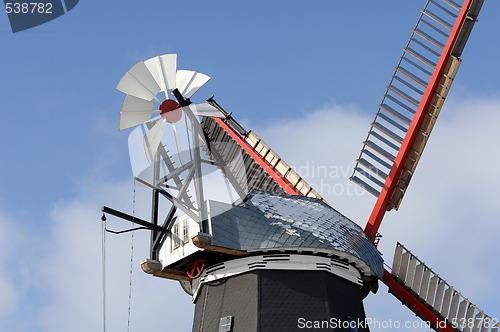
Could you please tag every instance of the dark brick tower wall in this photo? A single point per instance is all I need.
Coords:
(277, 300)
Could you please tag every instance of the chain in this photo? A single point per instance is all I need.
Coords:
(131, 264)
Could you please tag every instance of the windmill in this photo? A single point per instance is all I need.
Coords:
(281, 251)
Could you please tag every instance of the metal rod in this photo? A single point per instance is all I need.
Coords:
(155, 199)
(172, 199)
(228, 118)
(182, 101)
(167, 224)
(128, 217)
(170, 166)
(198, 176)
(125, 231)
(224, 167)
(176, 172)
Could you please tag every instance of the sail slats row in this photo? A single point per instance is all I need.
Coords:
(431, 289)
(389, 132)
(247, 173)
(403, 97)
(372, 168)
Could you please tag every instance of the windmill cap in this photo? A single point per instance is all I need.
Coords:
(266, 221)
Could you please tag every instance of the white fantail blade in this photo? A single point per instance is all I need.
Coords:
(163, 68)
(178, 144)
(136, 111)
(139, 83)
(188, 82)
(152, 139)
(204, 109)
(138, 159)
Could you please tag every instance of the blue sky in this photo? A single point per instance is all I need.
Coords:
(311, 74)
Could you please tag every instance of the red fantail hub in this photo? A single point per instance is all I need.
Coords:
(171, 111)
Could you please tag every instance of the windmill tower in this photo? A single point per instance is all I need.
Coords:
(280, 253)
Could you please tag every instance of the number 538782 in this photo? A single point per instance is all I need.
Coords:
(28, 8)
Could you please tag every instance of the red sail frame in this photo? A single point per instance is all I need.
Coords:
(380, 208)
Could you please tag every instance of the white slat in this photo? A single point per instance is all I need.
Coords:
(404, 266)
(164, 70)
(455, 300)
(478, 322)
(432, 290)
(135, 111)
(152, 139)
(425, 284)
(204, 109)
(139, 83)
(461, 311)
(410, 276)
(417, 281)
(486, 324)
(439, 295)
(188, 82)
(445, 308)
(468, 318)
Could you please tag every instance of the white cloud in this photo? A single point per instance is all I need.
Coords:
(55, 284)
(72, 269)
(9, 301)
(325, 142)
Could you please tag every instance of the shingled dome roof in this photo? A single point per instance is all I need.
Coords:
(267, 221)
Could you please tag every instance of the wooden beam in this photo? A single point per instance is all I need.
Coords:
(204, 242)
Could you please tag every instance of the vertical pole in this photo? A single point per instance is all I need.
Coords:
(155, 205)
(197, 134)
(198, 181)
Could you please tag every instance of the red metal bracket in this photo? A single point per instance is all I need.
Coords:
(195, 268)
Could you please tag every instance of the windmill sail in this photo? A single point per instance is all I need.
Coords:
(434, 292)
(262, 168)
(414, 98)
